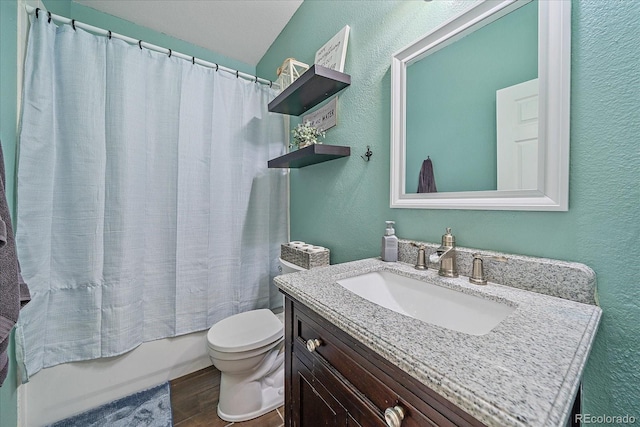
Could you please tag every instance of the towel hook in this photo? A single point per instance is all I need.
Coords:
(368, 154)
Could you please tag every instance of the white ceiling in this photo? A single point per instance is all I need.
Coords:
(239, 29)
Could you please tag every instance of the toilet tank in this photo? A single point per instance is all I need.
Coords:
(287, 267)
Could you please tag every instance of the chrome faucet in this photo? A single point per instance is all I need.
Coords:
(446, 256)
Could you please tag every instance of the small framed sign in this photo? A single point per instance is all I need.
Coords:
(334, 52)
(324, 118)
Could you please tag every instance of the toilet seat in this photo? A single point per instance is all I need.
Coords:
(246, 331)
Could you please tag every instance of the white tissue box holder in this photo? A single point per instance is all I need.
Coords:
(304, 259)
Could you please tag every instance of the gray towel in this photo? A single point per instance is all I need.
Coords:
(426, 180)
(14, 292)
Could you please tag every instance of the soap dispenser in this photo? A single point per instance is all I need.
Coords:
(389, 243)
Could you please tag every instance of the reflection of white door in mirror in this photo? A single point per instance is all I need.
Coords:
(551, 191)
(517, 132)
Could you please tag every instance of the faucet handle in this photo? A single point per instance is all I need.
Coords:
(421, 263)
(477, 270)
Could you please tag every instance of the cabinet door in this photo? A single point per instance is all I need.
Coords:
(340, 382)
(360, 411)
(313, 405)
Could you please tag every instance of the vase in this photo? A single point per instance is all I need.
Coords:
(306, 144)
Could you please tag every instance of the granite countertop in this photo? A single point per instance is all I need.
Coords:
(524, 372)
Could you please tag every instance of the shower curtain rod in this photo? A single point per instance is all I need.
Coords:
(100, 31)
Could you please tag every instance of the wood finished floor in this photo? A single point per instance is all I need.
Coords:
(194, 400)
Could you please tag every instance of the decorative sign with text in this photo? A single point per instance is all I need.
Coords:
(334, 52)
(324, 118)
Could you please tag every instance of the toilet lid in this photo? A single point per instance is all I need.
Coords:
(245, 331)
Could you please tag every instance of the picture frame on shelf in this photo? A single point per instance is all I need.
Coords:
(325, 117)
(334, 52)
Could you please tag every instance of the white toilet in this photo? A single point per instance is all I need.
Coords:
(247, 349)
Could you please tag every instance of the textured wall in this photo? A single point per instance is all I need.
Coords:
(605, 185)
(8, 96)
(342, 204)
(8, 91)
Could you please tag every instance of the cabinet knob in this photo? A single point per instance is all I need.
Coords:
(394, 416)
(313, 344)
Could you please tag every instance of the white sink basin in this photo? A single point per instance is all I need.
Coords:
(428, 302)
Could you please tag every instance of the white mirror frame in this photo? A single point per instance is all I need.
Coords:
(554, 74)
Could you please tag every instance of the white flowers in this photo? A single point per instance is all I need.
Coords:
(306, 134)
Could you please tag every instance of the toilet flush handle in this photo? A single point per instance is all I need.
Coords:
(313, 344)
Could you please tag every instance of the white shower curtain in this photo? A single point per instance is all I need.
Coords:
(145, 206)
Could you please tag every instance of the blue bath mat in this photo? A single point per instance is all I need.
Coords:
(150, 407)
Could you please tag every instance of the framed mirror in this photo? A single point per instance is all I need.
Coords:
(480, 110)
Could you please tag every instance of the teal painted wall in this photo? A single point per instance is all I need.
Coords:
(8, 91)
(342, 204)
(451, 116)
(8, 113)
(8, 96)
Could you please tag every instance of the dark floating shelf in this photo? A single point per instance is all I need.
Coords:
(315, 153)
(311, 88)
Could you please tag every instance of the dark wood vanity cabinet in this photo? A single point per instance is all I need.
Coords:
(341, 382)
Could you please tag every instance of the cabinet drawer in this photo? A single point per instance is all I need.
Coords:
(352, 363)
